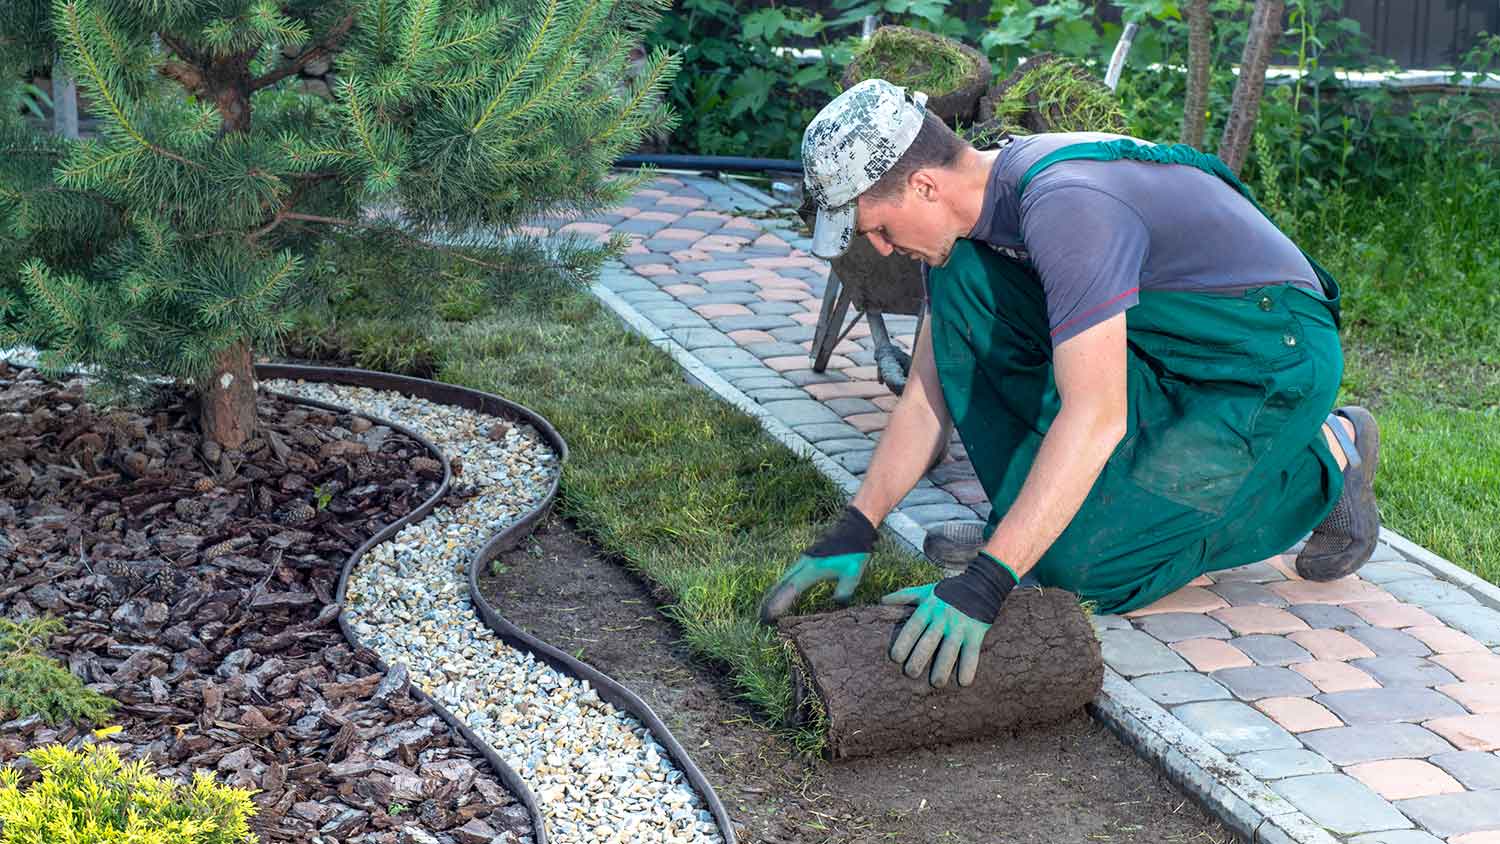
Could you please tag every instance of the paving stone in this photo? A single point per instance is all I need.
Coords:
(1475, 769)
(718, 298)
(1366, 743)
(1394, 614)
(1340, 803)
(795, 333)
(1331, 644)
(635, 225)
(638, 297)
(711, 265)
(1257, 619)
(768, 381)
(1271, 650)
(1476, 697)
(1480, 622)
(1331, 676)
(848, 407)
(1379, 706)
(622, 281)
(1386, 572)
(1279, 764)
(1404, 671)
(803, 412)
(1209, 655)
(1233, 727)
(1177, 687)
(929, 495)
(1109, 622)
(1425, 591)
(1477, 667)
(948, 472)
(1190, 599)
(778, 394)
(1396, 836)
(1261, 572)
(935, 514)
(863, 358)
(1403, 779)
(803, 377)
(1258, 681)
(1468, 732)
(817, 432)
(1342, 591)
(857, 462)
(703, 224)
(1326, 616)
(831, 447)
(777, 308)
(1242, 593)
(760, 322)
(1133, 653)
(726, 358)
(675, 316)
(777, 349)
(1387, 642)
(1444, 639)
(1177, 626)
(1454, 814)
(1298, 714)
(744, 373)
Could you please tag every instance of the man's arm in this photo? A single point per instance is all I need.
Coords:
(912, 437)
(1090, 372)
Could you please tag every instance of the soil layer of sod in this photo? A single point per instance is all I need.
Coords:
(1071, 782)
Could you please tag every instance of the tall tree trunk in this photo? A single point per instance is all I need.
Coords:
(1195, 107)
(1265, 29)
(228, 399)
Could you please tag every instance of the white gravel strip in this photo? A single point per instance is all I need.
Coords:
(598, 775)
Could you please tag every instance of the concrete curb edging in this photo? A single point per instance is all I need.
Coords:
(1487, 593)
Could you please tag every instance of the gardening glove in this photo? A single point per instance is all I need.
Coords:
(951, 619)
(841, 554)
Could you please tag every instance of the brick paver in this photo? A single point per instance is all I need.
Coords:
(1371, 703)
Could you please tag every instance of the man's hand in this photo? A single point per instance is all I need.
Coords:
(840, 555)
(951, 619)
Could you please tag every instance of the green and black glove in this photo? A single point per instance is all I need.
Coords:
(840, 555)
(951, 619)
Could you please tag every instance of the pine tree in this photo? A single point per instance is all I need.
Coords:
(171, 243)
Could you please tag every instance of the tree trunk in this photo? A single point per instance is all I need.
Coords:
(1040, 662)
(228, 400)
(1265, 29)
(1200, 39)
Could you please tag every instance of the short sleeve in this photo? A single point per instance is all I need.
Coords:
(1088, 247)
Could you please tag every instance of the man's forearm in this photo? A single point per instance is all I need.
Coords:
(901, 458)
(1071, 456)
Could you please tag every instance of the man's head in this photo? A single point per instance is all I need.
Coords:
(875, 162)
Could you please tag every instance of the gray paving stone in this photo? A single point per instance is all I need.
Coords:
(1365, 743)
(665, 318)
(767, 381)
(841, 446)
(1454, 814)
(623, 281)
(795, 333)
(778, 394)
(1387, 642)
(802, 412)
(857, 462)
(637, 297)
(862, 358)
(1110, 622)
(928, 495)
(718, 298)
(1405, 671)
(712, 264)
(1261, 572)
(1244, 594)
(817, 432)
(702, 224)
(945, 473)
(1426, 591)
(1271, 650)
(666, 245)
(776, 350)
(728, 358)
(1480, 622)
(927, 515)
(638, 260)
(1177, 687)
(1257, 681)
(846, 407)
(776, 308)
(1474, 769)
(1279, 764)
(1387, 572)
(1326, 616)
(758, 322)
(1177, 626)
(1380, 706)
(1341, 803)
(1234, 727)
(803, 377)
(645, 227)
(1134, 653)
(982, 509)
(743, 373)
(1396, 836)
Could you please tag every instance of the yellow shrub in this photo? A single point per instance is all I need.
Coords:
(91, 797)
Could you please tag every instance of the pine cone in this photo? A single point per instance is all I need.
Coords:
(296, 512)
(190, 509)
(109, 520)
(264, 500)
(217, 550)
(252, 446)
(362, 466)
(427, 467)
(203, 484)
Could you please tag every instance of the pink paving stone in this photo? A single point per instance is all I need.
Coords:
(667, 180)
(659, 217)
(861, 373)
(1479, 698)
(1468, 732)
(783, 263)
(840, 362)
(1286, 564)
(742, 224)
(707, 215)
(1345, 590)
(1473, 667)
(776, 282)
(682, 201)
(1201, 580)
(747, 274)
(808, 318)
(859, 330)
(814, 305)
(1187, 599)
(769, 240)
(654, 269)
(683, 289)
(635, 248)
(746, 336)
(716, 311)
(886, 403)
(1331, 644)
(1298, 714)
(842, 347)
(1211, 654)
(1444, 639)
(867, 422)
(967, 492)
(688, 235)
(1330, 676)
(848, 390)
(1400, 779)
(585, 228)
(784, 294)
(1391, 614)
(1483, 836)
(720, 243)
(1248, 620)
(623, 210)
(651, 192)
(685, 255)
(789, 363)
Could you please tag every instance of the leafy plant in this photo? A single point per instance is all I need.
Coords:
(31, 683)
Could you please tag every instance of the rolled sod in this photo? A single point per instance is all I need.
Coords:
(1040, 663)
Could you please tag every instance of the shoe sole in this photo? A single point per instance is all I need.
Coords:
(1362, 485)
(954, 544)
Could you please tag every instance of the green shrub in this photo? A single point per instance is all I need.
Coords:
(31, 683)
(91, 797)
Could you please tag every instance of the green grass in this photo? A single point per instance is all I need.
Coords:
(915, 61)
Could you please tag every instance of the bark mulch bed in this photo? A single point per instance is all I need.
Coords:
(197, 589)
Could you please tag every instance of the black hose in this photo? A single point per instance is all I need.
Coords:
(713, 163)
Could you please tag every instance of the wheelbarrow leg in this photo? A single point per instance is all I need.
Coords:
(837, 298)
(892, 366)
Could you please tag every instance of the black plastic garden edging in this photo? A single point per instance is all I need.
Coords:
(607, 687)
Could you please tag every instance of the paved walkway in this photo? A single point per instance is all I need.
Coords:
(1364, 710)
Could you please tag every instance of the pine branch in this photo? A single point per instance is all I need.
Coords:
(520, 67)
(322, 49)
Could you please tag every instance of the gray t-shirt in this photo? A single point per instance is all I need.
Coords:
(1099, 232)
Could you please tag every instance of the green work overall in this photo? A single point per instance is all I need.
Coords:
(1223, 462)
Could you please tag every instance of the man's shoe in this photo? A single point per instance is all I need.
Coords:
(953, 545)
(1347, 537)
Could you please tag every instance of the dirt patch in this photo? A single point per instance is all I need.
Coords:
(1071, 782)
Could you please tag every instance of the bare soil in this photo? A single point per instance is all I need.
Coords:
(1069, 782)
